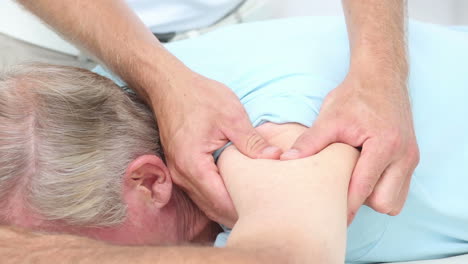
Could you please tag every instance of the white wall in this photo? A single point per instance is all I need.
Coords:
(461, 12)
(434, 11)
(18, 23)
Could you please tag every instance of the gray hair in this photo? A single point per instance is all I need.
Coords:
(66, 138)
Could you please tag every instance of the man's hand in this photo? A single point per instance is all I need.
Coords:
(196, 117)
(371, 109)
(364, 111)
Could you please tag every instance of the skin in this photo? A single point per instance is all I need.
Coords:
(264, 198)
(170, 88)
(157, 211)
(376, 38)
(371, 109)
(312, 190)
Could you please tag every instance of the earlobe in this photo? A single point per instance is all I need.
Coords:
(148, 179)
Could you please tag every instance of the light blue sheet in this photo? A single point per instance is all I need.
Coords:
(281, 71)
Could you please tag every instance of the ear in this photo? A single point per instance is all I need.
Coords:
(147, 179)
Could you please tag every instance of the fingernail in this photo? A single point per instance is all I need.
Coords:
(290, 154)
(271, 150)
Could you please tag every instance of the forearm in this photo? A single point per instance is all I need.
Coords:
(112, 32)
(377, 37)
(20, 246)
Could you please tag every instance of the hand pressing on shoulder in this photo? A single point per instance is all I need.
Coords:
(196, 116)
(371, 109)
(374, 113)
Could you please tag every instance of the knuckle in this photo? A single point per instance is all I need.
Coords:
(414, 155)
(365, 188)
(361, 134)
(235, 115)
(254, 142)
(234, 118)
(381, 205)
(353, 131)
(396, 211)
(394, 139)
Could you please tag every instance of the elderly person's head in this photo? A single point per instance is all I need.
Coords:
(79, 155)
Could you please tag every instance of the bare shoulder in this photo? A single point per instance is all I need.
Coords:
(332, 166)
(308, 193)
(283, 136)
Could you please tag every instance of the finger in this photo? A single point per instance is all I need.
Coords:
(370, 166)
(316, 138)
(402, 196)
(391, 191)
(211, 195)
(384, 197)
(251, 143)
(205, 187)
(215, 201)
(412, 160)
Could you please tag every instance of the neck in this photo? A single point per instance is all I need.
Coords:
(194, 225)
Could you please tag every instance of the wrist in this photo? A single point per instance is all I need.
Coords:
(391, 69)
(152, 73)
(382, 57)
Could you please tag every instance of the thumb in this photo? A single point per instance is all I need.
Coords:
(311, 142)
(252, 144)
